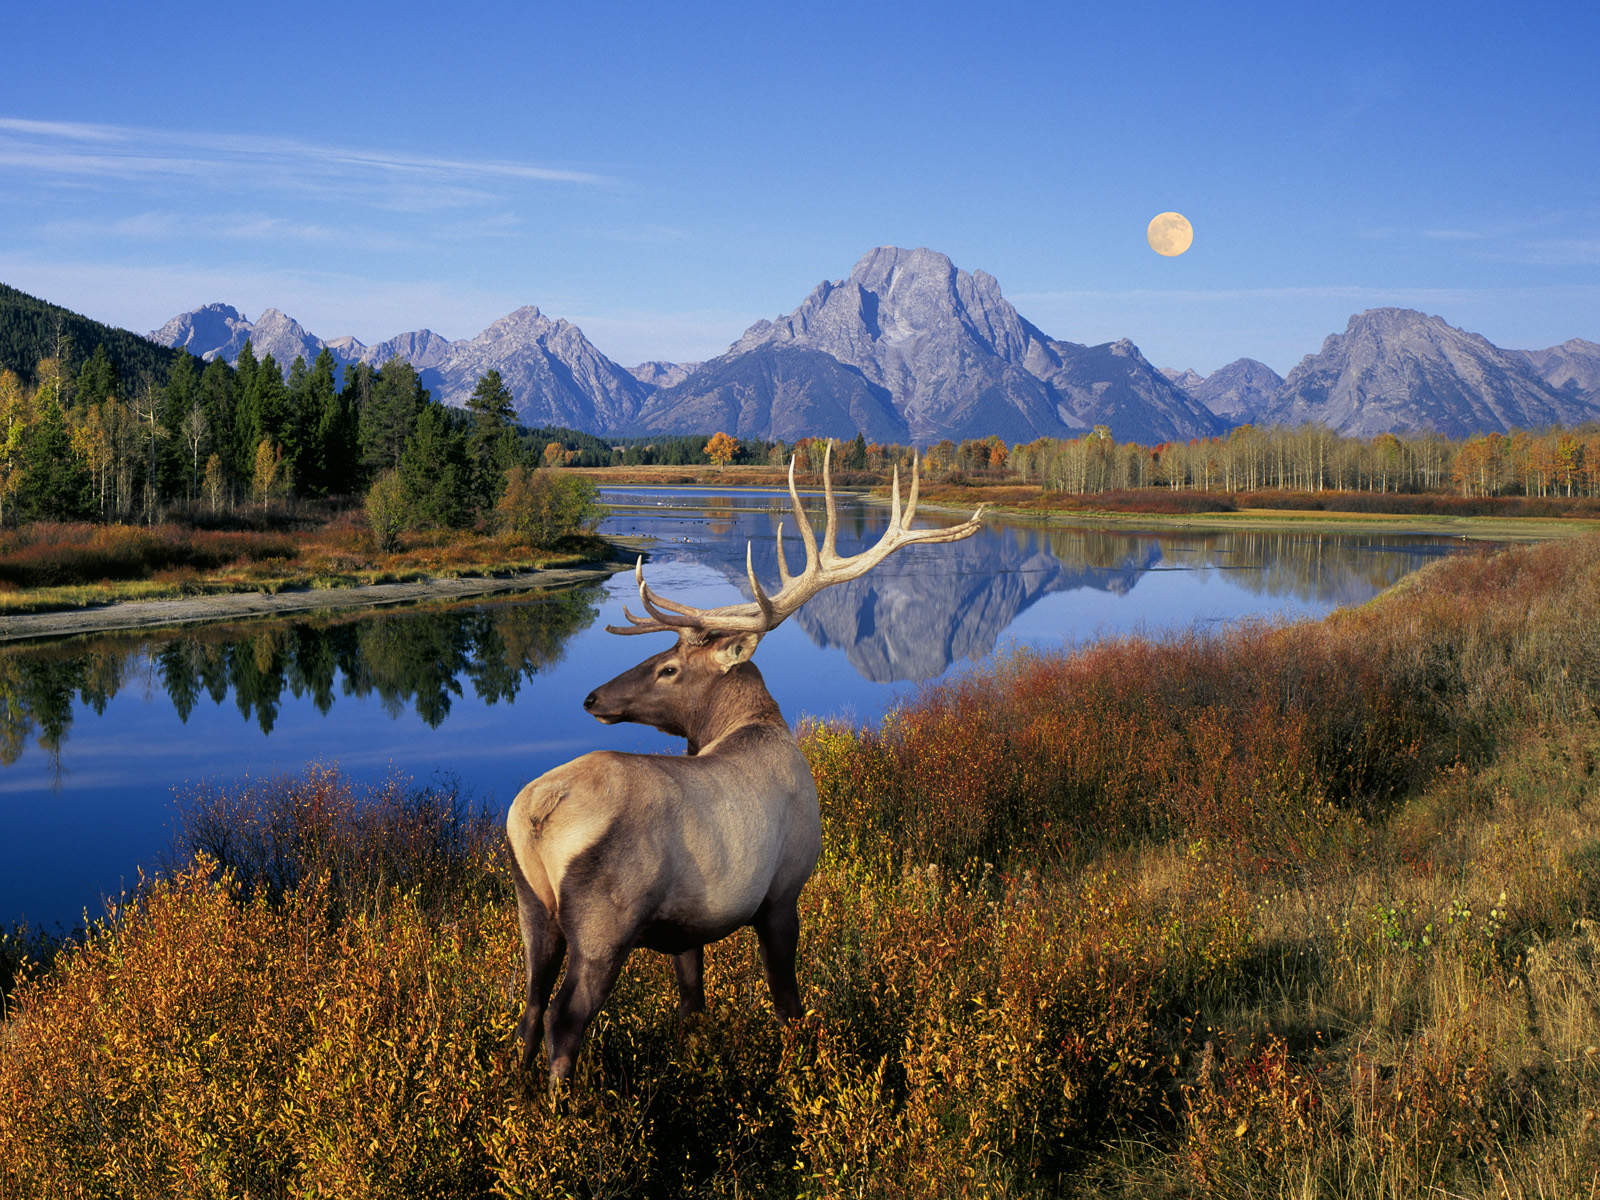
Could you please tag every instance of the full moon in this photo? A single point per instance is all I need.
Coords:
(1170, 233)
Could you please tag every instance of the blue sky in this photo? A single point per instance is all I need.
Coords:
(665, 175)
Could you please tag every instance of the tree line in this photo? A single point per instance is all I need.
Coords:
(201, 439)
(1307, 458)
(90, 444)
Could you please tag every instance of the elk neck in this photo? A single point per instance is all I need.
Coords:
(738, 701)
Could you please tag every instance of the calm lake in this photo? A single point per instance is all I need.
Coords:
(101, 737)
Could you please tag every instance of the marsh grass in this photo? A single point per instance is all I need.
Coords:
(1301, 911)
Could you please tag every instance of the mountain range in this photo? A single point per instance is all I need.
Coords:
(910, 348)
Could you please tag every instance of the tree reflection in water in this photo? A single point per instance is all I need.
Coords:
(417, 659)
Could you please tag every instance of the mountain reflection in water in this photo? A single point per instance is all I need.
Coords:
(925, 609)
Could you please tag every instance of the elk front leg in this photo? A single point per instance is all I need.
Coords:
(690, 968)
(778, 932)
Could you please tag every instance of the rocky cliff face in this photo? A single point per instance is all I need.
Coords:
(1398, 369)
(657, 374)
(214, 331)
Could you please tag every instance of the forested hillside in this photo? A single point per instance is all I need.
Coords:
(32, 329)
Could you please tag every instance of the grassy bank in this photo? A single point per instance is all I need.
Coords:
(1294, 911)
(1495, 518)
(52, 565)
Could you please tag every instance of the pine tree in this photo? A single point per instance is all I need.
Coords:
(432, 468)
(386, 419)
(491, 443)
(55, 483)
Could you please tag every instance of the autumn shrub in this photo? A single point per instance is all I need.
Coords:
(363, 844)
(1276, 738)
(541, 507)
(387, 510)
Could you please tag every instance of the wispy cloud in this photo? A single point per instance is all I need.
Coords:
(71, 151)
(157, 226)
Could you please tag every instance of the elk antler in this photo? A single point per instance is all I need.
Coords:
(824, 567)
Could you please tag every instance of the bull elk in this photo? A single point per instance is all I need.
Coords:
(612, 851)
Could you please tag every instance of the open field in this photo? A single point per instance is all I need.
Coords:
(1295, 911)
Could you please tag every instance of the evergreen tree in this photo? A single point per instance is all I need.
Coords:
(55, 480)
(855, 455)
(433, 465)
(219, 398)
(491, 442)
(270, 400)
(97, 378)
(386, 419)
(328, 458)
(179, 397)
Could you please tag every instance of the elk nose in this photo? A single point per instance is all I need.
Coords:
(589, 701)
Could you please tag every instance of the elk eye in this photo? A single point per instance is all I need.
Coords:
(666, 672)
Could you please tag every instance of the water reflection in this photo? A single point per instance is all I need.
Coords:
(420, 661)
(924, 609)
(481, 693)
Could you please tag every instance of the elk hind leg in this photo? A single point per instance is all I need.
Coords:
(588, 982)
(543, 948)
(778, 933)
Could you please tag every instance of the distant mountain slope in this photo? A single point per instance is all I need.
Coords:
(952, 357)
(1114, 385)
(1396, 369)
(1572, 367)
(908, 347)
(555, 375)
(32, 329)
(1238, 391)
(662, 374)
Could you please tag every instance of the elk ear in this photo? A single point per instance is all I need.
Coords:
(733, 650)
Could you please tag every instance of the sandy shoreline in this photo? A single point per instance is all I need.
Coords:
(233, 606)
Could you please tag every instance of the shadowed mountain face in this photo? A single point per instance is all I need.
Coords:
(777, 391)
